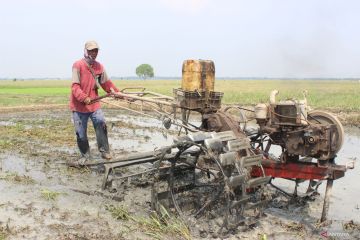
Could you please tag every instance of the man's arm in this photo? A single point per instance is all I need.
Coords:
(107, 84)
(76, 90)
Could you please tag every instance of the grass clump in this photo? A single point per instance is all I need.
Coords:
(4, 232)
(351, 226)
(5, 144)
(353, 119)
(119, 212)
(295, 228)
(50, 132)
(2, 235)
(157, 226)
(16, 178)
(49, 195)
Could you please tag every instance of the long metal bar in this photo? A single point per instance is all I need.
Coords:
(144, 172)
(133, 162)
(147, 115)
(146, 99)
(280, 190)
(126, 158)
(125, 108)
(143, 92)
(302, 170)
(326, 204)
(99, 98)
(160, 95)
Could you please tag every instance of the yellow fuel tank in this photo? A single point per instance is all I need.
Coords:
(198, 75)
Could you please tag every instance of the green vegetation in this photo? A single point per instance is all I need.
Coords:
(3, 233)
(351, 226)
(336, 95)
(144, 71)
(4, 144)
(16, 178)
(34, 137)
(157, 226)
(40, 132)
(49, 195)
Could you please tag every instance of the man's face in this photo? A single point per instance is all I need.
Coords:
(93, 53)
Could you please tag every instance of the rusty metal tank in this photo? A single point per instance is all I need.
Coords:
(198, 75)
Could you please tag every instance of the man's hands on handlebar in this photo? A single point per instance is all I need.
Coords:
(118, 95)
(87, 100)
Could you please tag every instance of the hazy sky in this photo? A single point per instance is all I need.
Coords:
(263, 38)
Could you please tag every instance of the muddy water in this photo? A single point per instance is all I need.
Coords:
(345, 199)
(26, 213)
(82, 215)
(78, 211)
(149, 136)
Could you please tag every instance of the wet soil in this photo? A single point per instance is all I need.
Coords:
(42, 198)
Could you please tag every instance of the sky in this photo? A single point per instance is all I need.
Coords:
(244, 38)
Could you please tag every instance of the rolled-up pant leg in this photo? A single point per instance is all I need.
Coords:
(98, 120)
(80, 123)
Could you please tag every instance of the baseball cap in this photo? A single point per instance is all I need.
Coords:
(90, 45)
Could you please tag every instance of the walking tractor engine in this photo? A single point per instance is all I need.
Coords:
(298, 131)
(309, 142)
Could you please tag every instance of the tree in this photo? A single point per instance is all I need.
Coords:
(144, 71)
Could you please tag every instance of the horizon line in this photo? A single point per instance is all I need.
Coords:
(176, 78)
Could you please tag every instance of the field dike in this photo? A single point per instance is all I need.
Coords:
(42, 198)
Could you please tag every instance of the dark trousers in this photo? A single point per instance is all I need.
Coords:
(80, 123)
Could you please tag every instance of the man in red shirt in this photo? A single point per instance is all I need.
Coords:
(87, 76)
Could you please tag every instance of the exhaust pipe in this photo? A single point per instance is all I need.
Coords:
(273, 95)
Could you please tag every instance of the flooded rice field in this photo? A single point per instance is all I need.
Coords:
(42, 198)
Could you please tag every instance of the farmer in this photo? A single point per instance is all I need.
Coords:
(87, 76)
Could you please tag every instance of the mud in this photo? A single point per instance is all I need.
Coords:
(41, 198)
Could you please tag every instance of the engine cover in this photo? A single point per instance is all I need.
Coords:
(314, 141)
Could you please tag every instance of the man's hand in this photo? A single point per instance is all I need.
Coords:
(87, 100)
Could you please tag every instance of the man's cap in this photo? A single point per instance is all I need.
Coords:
(90, 45)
